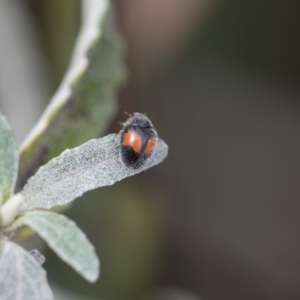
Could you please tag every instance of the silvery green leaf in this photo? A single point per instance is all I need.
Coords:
(65, 239)
(84, 104)
(21, 276)
(8, 160)
(94, 164)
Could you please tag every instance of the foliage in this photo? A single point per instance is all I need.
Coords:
(79, 111)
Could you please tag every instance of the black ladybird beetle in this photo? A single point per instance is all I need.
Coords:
(138, 139)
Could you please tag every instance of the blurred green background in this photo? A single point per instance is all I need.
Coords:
(219, 219)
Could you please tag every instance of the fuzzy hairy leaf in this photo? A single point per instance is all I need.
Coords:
(85, 101)
(21, 276)
(94, 164)
(65, 239)
(8, 160)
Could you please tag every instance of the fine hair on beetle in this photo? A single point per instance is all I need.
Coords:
(137, 141)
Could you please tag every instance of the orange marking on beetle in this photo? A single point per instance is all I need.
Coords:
(132, 139)
(149, 145)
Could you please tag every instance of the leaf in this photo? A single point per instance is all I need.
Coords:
(8, 160)
(85, 102)
(21, 276)
(94, 164)
(65, 239)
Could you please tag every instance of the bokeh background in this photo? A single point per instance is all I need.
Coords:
(219, 219)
